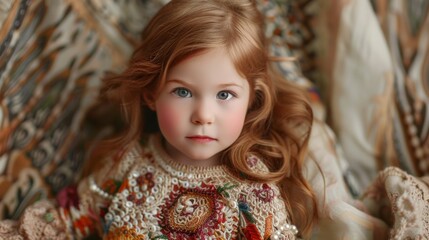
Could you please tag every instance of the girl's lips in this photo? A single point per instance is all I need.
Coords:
(202, 139)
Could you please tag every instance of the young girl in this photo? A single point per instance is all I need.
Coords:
(214, 145)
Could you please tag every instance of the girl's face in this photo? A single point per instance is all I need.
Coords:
(202, 107)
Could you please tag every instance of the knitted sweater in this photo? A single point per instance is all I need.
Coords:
(147, 195)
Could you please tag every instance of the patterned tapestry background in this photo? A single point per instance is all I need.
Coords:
(53, 54)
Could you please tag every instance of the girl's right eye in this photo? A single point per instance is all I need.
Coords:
(182, 92)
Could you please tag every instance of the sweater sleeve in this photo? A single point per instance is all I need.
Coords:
(76, 213)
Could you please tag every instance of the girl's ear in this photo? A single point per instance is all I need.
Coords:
(149, 100)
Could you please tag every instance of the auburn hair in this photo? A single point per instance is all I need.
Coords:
(278, 122)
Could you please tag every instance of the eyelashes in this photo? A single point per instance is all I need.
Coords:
(221, 95)
(182, 92)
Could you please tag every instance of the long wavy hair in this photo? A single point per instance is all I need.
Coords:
(278, 122)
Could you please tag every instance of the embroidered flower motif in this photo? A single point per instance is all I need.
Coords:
(252, 161)
(266, 194)
(68, 197)
(192, 213)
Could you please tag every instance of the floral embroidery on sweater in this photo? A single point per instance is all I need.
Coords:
(161, 199)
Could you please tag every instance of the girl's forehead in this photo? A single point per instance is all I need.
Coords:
(212, 63)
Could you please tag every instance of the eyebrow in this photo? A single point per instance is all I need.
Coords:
(224, 85)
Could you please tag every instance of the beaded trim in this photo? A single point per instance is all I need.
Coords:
(95, 188)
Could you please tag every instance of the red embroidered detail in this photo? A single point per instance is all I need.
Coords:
(68, 197)
(252, 161)
(84, 224)
(251, 232)
(265, 194)
(125, 185)
(110, 186)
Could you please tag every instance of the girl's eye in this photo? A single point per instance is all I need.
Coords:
(182, 92)
(224, 95)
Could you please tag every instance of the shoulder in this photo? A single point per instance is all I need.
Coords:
(256, 164)
(119, 164)
(136, 152)
(264, 204)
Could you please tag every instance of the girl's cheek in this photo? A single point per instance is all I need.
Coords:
(235, 122)
(168, 118)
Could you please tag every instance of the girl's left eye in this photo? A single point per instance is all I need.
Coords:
(225, 95)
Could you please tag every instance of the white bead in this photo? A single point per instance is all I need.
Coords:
(160, 179)
(152, 228)
(108, 216)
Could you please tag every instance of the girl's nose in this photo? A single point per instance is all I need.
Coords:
(202, 114)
